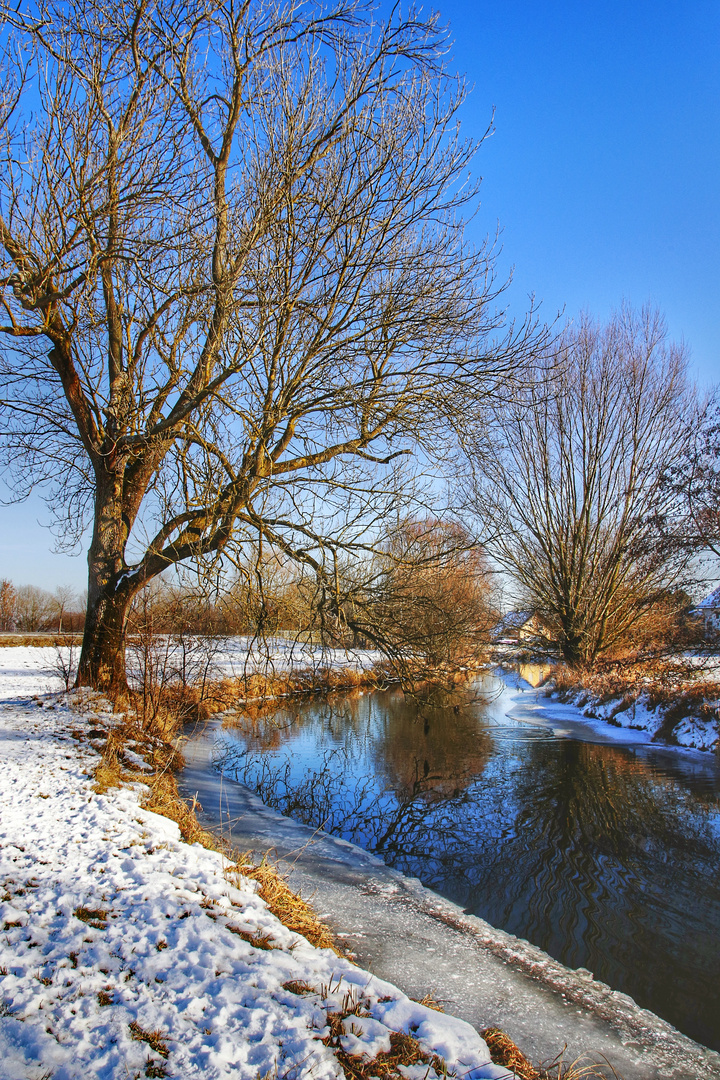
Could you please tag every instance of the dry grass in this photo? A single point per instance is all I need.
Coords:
(582, 1068)
(163, 798)
(299, 987)
(154, 1039)
(256, 939)
(290, 908)
(430, 1002)
(255, 694)
(503, 1051)
(155, 1070)
(676, 688)
(404, 1050)
(95, 917)
(39, 640)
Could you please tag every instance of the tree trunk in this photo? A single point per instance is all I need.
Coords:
(102, 659)
(573, 646)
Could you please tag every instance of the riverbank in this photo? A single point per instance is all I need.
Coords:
(673, 702)
(127, 952)
(428, 944)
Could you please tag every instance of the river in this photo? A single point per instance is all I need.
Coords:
(604, 855)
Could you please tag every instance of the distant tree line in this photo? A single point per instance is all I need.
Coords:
(28, 609)
(426, 601)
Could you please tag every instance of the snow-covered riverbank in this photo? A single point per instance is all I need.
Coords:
(690, 732)
(681, 718)
(123, 951)
(672, 705)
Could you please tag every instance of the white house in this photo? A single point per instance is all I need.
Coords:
(517, 627)
(709, 608)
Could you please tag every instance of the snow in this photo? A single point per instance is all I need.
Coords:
(615, 720)
(637, 722)
(118, 956)
(234, 657)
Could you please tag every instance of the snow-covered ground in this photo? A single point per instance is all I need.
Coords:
(626, 717)
(635, 718)
(208, 658)
(234, 656)
(119, 951)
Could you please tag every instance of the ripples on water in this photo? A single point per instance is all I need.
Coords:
(605, 857)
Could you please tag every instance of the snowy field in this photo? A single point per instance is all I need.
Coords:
(208, 658)
(233, 657)
(119, 948)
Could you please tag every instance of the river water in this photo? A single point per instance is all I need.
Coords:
(605, 855)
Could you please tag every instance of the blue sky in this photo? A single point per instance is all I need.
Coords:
(603, 174)
(604, 168)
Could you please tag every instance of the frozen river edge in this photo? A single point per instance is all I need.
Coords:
(423, 943)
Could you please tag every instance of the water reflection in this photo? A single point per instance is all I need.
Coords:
(535, 674)
(602, 857)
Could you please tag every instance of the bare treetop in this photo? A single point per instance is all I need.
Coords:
(574, 490)
(235, 282)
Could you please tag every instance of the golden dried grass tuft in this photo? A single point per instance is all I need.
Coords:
(404, 1050)
(95, 917)
(503, 1051)
(156, 1039)
(164, 798)
(299, 987)
(257, 939)
(582, 1068)
(291, 909)
(430, 1002)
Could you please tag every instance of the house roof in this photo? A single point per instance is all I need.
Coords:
(513, 620)
(711, 601)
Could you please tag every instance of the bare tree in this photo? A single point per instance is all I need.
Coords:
(34, 609)
(692, 482)
(235, 281)
(8, 600)
(63, 600)
(571, 499)
(426, 600)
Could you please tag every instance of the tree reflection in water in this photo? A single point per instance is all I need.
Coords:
(597, 855)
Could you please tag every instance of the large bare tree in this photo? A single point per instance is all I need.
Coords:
(572, 495)
(235, 281)
(691, 480)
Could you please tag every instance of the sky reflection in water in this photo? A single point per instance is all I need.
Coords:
(604, 856)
